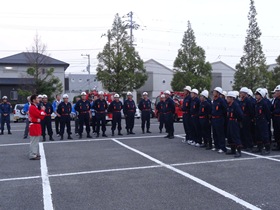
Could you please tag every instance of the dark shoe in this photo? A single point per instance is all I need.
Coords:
(61, 137)
(69, 137)
(89, 136)
(143, 131)
(237, 155)
(149, 131)
(39, 156)
(208, 148)
(120, 134)
(127, 132)
(131, 132)
(44, 138)
(97, 135)
(36, 158)
(113, 134)
(2, 133)
(265, 152)
(230, 152)
(171, 137)
(160, 131)
(167, 136)
(9, 132)
(25, 137)
(104, 135)
(257, 150)
(51, 138)
(80, 136)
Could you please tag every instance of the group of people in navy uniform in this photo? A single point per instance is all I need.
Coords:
(238, 117)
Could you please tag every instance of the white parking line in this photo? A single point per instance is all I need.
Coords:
(47, 192)
(105, 170)
(197, 180)
(20, 178)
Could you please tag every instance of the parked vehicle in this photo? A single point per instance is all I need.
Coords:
(18, 112)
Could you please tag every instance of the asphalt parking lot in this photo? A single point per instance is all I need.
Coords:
(133, 172)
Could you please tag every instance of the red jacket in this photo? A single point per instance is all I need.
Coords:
(35, 117)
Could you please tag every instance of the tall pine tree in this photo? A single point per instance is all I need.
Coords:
(190, 65)
(120, 67)
(252, 69)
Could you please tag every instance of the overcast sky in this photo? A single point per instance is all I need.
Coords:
(70, 28)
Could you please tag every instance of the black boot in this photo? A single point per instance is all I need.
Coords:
(80, 136)
(44, 138)
(113, 133)
(104, 135)
(232, 151)
(167, 136)
(119, 133)
(171, 136)
(127, 131)
(160, 130)
(148, 131)
(131, 132)
(89, 136)
(143, 131)
(2, 133)
(266, 151)
(97, 135)
(258, 149)
(9, 132)
(69, 137)
(51, 138)
(61, 137)
(238, 153)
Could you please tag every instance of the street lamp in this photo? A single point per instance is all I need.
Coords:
(88, 68)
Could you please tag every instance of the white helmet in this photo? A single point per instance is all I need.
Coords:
(145, 94)
(40, 96)
(250, 92)
(4, 97)
(100, 93)
(219, 90)
(129, 94)
(116, 95)
(65, 96)
(83, 94)
(244, 90)
(236, 93)
(231, 94)
(266, 91)
(188, 88)
(205, 93)
(44, 96)
(277, 88)
(261, 91)
(167, 92)
(194, 91)
(224, 93)
(162, 96)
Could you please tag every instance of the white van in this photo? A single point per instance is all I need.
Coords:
(19, 114)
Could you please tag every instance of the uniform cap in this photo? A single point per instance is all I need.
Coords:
(205, 93)
(231, 94)
(116, 95)
(265, 90)
(261, 91)
(162, 96)
(129, 94)
(194, 91)
(244, 90)
(219, 90)
(100, 93)
(65, 96)
(44, 96)
(145, 94)
(188, 88)
(4, 97)
(40, 96)
(224, 93)
(167, 92)
(236, 93)
(83, 94)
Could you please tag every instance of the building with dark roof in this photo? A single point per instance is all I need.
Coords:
(13, 72)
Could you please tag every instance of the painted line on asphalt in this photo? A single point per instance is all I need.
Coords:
(197, 180)
(105, 170)
(15, 144)
(20, 178)
(47, 191)
(248, 153)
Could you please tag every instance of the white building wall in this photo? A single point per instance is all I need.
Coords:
(227, 74)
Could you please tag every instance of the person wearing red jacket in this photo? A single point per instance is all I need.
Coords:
(35, 131)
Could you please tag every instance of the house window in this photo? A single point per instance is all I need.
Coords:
(43, 71)
(14, 95)
(163, 81)
(80, 80)
(72, 79)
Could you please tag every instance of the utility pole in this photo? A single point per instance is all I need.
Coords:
(88, 68)
(132, 25)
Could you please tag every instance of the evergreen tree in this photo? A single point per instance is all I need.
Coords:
(275, 76)
(190, 65)
(252, 69)
(120, 67)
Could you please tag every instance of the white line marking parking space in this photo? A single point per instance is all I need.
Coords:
(47, 192)
(197, 180)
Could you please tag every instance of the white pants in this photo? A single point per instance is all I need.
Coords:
(34, 146)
